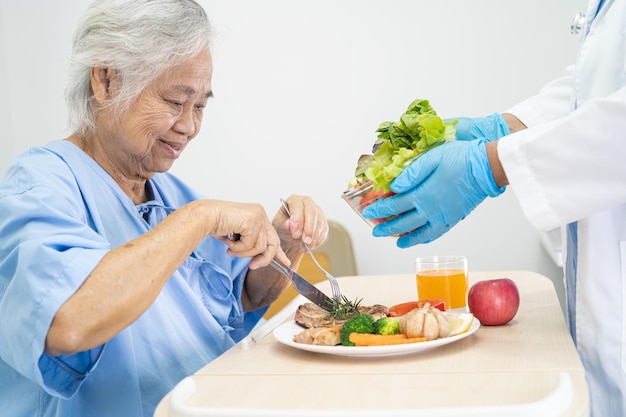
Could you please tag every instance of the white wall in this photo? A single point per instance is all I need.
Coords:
(300, 88)
(6, 133)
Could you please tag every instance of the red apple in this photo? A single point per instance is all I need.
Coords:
(494, 302)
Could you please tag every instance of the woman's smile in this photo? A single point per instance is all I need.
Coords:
(172, 148)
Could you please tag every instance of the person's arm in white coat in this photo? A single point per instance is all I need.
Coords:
(567, 169)
(552, 102)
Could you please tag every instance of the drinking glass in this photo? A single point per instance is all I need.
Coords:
(443, 277)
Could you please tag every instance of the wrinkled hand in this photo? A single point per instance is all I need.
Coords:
(491, 127)
(249, 230)
(435, 192)
(307, 224)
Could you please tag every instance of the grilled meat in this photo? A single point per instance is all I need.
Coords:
(322, 336)
(377, 311)
(309, 315)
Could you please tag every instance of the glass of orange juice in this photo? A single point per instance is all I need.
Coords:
(442, 277)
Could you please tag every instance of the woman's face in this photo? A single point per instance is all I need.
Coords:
(159, 124)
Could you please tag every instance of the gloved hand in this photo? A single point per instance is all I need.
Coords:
(435, 192)
(491, 127)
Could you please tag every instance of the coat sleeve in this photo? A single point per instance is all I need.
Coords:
(571, 167)
(552, 102)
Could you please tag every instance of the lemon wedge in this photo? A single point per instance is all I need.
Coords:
(459, 322)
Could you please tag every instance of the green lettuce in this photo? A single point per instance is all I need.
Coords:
(398, 143)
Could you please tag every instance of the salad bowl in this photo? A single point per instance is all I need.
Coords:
(361, 196)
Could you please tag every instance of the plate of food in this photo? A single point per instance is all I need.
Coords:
(313, 331)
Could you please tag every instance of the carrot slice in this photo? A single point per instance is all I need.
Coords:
(367, 339)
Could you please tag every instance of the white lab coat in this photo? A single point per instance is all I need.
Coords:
(570, 166)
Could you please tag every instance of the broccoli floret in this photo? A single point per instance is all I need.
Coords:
(387, 325)
(361, 323)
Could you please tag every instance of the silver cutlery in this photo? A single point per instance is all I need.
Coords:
(303, 286)
(334, 285)
(300, 284)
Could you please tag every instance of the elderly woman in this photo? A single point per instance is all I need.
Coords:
(116, 280)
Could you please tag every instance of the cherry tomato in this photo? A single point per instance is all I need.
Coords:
(403, 308)
(372, 197)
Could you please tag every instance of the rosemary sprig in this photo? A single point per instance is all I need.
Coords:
(344, 308)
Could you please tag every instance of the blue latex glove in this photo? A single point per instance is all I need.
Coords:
(435, 192)
(491, 127)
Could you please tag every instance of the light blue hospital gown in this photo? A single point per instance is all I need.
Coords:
(60, 213)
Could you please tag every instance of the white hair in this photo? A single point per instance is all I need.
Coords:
(139, 39)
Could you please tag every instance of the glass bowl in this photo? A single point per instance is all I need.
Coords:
(362, 196)
(359, 197)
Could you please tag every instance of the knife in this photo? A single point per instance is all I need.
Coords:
(300, 284)
(304, 287)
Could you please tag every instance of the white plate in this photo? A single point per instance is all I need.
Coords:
(286, 331)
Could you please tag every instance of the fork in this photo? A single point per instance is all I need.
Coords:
(334, 285)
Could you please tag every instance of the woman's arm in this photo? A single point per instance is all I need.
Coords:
(128, 279)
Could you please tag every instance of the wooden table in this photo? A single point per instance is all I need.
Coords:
(528, 367)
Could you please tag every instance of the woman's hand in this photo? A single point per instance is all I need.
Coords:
(247, 231)
(307, 224)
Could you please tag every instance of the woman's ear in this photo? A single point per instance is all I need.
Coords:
(101, 78)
